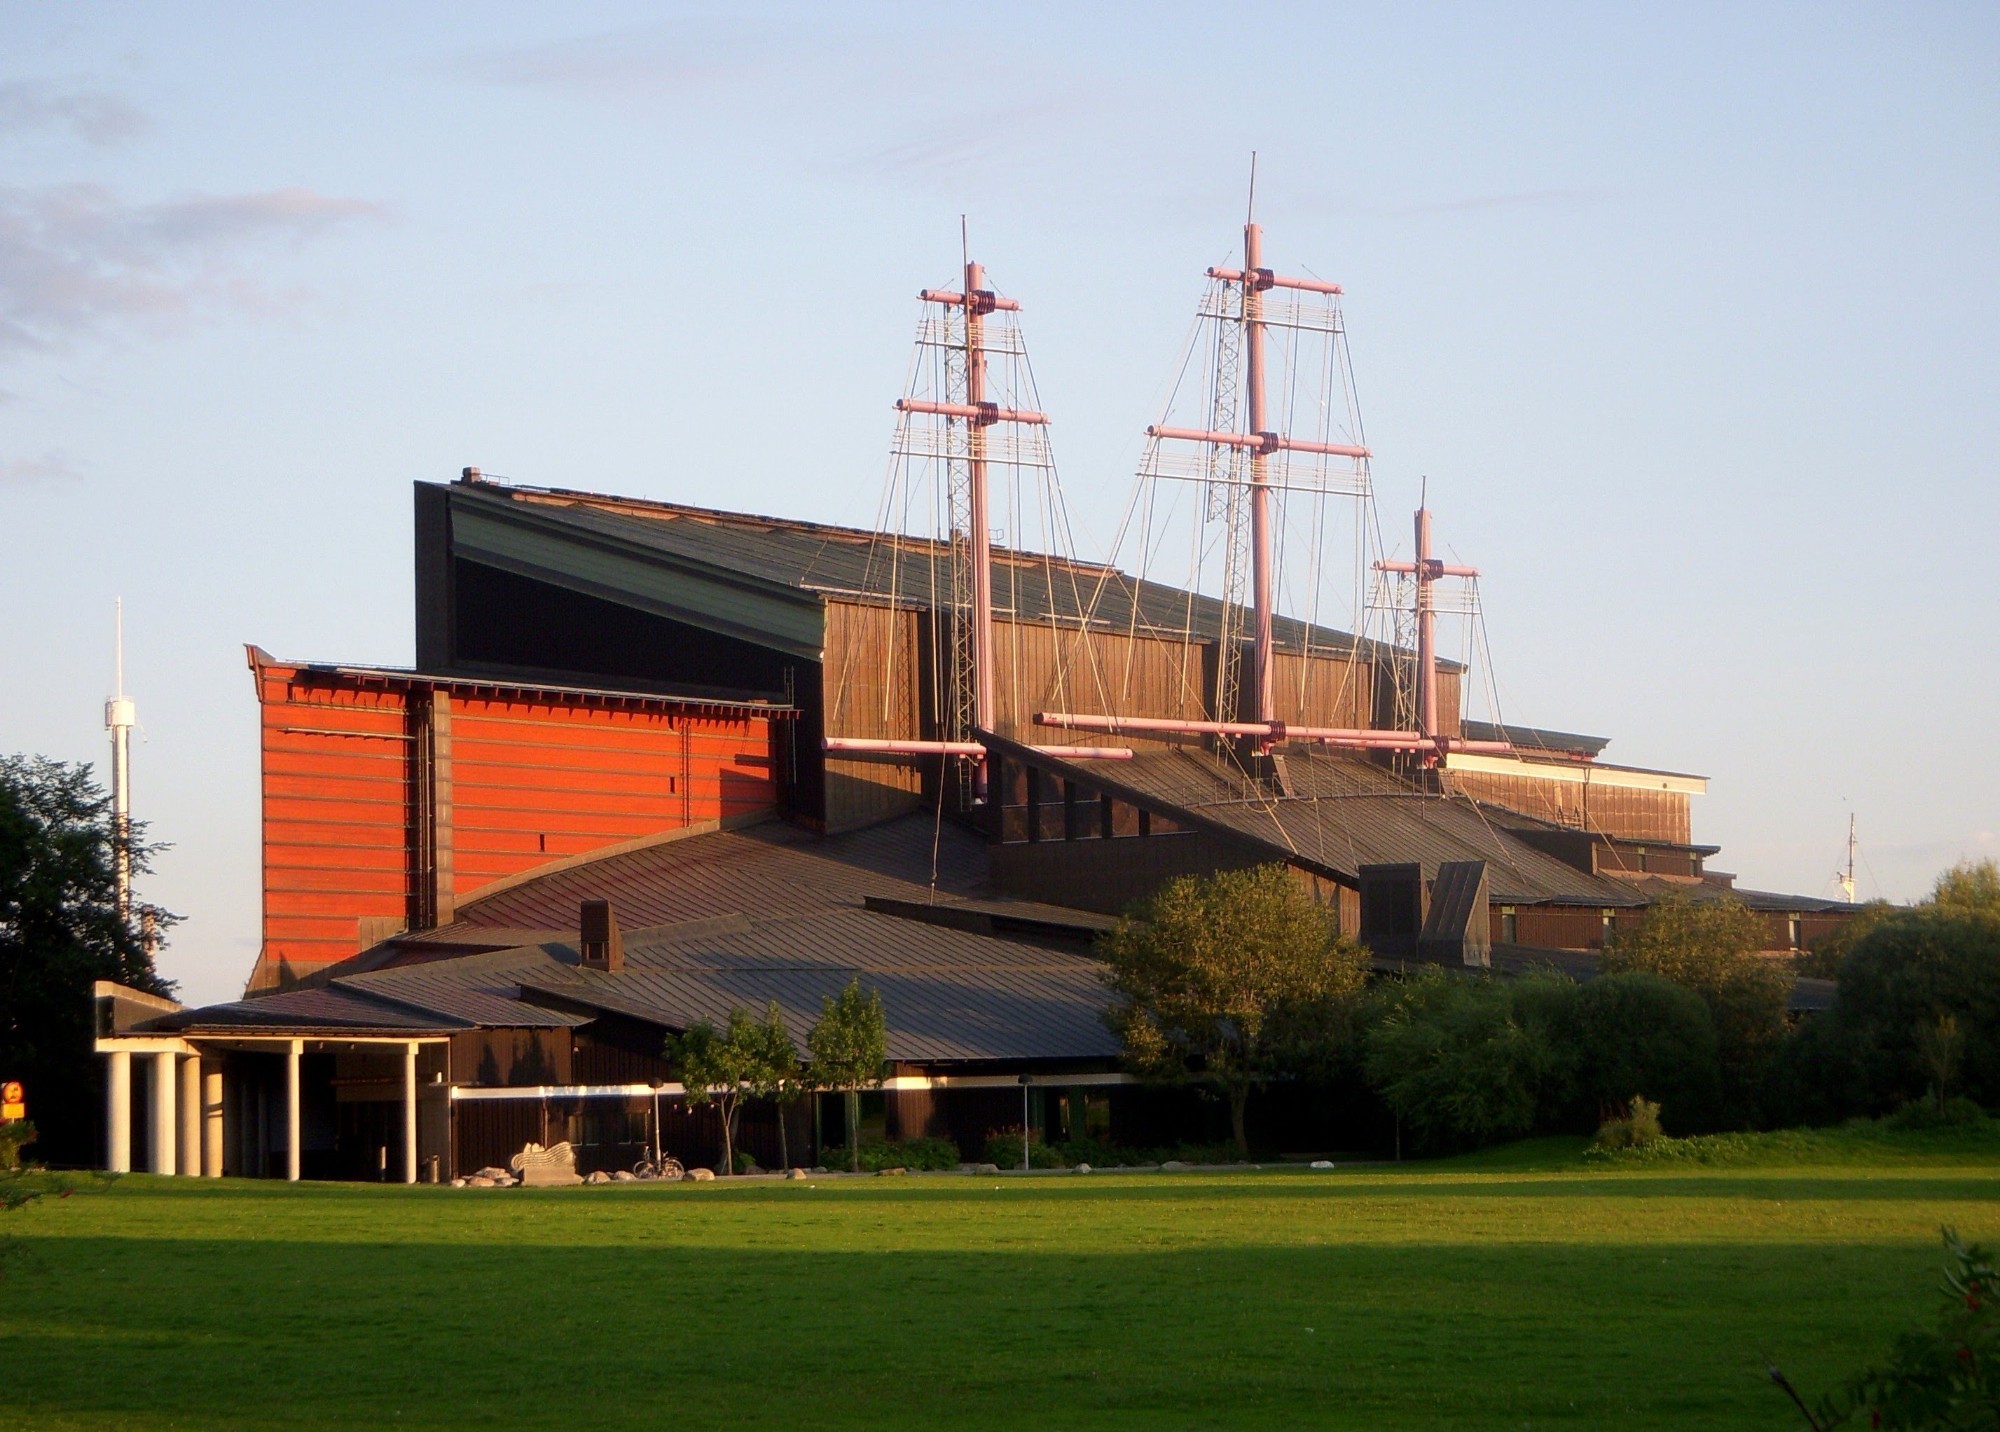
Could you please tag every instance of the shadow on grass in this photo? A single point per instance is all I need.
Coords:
(217, 1332)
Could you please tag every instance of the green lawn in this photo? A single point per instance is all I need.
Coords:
(1518, 1289)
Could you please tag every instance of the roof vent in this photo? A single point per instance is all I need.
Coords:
(599, 943)
(1393, 906)
(471, 474)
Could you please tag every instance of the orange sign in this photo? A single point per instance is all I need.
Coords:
(13, 1102)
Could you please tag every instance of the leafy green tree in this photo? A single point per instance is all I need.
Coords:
(847, 1050)
(1902, 978)
(1467, 1059)
(720, 1068)
(60, 930)
(1823, 959)
(1970, 887)
(1713, 948)
(1640, 1034)
(1227, 981)
(779, 1076)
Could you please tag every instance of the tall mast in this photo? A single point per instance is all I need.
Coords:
(1427, 570)
(120, 715)
(979, 530)
(1847, 874)
(1243, 305)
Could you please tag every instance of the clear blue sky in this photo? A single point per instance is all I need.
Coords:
(1688, 313)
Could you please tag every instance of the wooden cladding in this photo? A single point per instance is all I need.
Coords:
(1624, 812)
(387, 801)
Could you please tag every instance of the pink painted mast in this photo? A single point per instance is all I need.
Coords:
(1427, 570)
(978, 414)
(1260, 442)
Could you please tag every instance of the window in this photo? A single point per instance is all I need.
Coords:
(1792, 930)
(1510, 926)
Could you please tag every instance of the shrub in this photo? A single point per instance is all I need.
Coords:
(1003, 1147)
(1929, 1114)
(1901, 978)
(1458, 1062)
(1641, 1031)
(14, 1137)
(1637, 1126)
(746, 1162)
(1938, 1377)
(924, 1155)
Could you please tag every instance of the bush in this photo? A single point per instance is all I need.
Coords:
(1465, 1061)
(923, 1155)
(1637, 1126)
(1926, 1114)
(1641, 1031)
(14, 1137)
(1900, 979)
(1003, 1147)
(746, 1162)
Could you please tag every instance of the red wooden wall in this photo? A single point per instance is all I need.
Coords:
(389, 797)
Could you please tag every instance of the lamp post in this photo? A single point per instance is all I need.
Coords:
(1026, 1080)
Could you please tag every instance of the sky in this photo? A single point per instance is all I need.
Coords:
(1689, 316)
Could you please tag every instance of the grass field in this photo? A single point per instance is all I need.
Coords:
(1516, 1289)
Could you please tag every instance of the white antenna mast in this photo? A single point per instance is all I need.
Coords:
(120, 715)
(1846, 876)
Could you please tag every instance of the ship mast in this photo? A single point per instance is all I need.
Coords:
(967, 412)
(1243, 304)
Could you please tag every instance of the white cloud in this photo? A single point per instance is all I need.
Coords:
(75, 259)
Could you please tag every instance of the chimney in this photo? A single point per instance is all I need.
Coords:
(599, 943)
(471, 474)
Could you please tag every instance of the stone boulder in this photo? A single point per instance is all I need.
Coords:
(597, 1176)
(479, 1180)
(1322, 1163)
(700, 1175)
(624, 1175)
(795, 1173)
(1175, 1166)
(1083, 1168)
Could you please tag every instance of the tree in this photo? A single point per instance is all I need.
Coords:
(1969, 887)
(60, 930)
(847, 1049)
(1467, 1059)
(1936, 960)
(1638, 1033)
(1712, 947)
(1227, 981)
(779, 1076)
(720, 1068)
(1823, 959)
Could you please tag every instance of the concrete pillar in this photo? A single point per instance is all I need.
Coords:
(190, 1116)
(410, 1112)
(118, 1112)
(294, 1135)
(166, 1138)
(211, 1120)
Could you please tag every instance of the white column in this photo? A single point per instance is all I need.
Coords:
(410, 1112)
(166, 1138)
(292, 1131)
(211, 1120)
(118, 1112)
(190, 1116)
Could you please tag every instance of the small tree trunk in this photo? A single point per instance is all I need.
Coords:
(854, 1130)
(728, 1108)
(1239, 1095)
(784, 1147)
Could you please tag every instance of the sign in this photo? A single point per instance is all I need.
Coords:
(13, 1102)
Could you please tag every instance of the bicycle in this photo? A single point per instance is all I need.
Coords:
(667, 1167)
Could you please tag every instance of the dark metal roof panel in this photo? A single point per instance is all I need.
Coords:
(768, 869)
(833, 562)
(1352, 813)
(316, 1009)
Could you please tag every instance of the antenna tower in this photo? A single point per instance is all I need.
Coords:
(120, 716)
